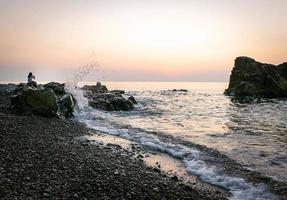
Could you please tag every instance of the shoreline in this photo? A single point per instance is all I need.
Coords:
(41, 159)
(28, 132)
(213, 158)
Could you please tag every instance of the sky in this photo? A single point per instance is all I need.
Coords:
(138, 40)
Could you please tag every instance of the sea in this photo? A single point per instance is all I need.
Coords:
(253, 132)
(174, 118)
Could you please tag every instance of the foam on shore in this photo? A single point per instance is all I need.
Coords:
(239, 188)
(106, 123)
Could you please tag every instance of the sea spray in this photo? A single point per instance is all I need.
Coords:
(73, 85)
(82, 102)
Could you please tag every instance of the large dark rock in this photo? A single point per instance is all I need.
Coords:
(101, 98)
(133, 100)
(252, 78)
(95, 89)
(58, 88)
(22, 87)
(282, 69)
(41, 102)
(50, 100)
(111, 102)
(8, 88)
(67, 105)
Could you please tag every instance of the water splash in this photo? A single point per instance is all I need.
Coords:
(73, 86)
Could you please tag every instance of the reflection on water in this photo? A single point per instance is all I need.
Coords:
(259, 128)
(250, 131)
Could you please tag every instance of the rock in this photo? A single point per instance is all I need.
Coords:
(180, 90)
(111, 102)
(120, 103)
(99, 97)
(101, 104)
(252, 78)
(96, 89)
(32, 84)
(132, 99)
(8, 88)
(41, 102)
(21, 87)
(175, 178)
(282, 69)
(66, 105)
(116, 172)
(48, 100)
(25, 86)
(58, 88)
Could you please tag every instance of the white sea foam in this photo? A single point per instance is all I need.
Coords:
(104, 122)
(82, 102)
(72, 85)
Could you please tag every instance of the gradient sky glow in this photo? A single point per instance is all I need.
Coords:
(136, 40)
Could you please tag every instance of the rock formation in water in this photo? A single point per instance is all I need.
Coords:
(58, 88)
(51, 99)
(95, 89)
(48, 100)
(41, 102)
(252, 78)
(99, 97)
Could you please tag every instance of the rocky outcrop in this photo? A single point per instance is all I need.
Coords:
(49, 100)
(95, 89)
(133, 100)
(111, 102)
(179, 90)
(58, 88)
(100, 98)
(67, 105)
(8, 88)
(41, 102)
(252, 78)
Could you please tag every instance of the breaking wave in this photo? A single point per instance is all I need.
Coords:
(119, 125)
(106, 123)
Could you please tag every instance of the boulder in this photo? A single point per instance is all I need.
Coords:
(133, 100)
(101, 98)
(67, 105)
(32, 84)
(179, 90)
(111, 102)
(8, 88)
(22, 87)
(282, 69)
(252, 78)
(40, 102)
(48, 100)
(95, 89)
(25, 86)
(58, 88)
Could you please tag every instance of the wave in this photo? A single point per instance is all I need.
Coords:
(239, 188)
(107, 123)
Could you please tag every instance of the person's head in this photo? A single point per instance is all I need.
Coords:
(30, 74)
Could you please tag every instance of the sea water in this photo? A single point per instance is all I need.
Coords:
(251, 131)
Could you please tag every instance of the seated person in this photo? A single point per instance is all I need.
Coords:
(30, 80)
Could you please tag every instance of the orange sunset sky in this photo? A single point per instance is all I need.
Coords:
(132, 40)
